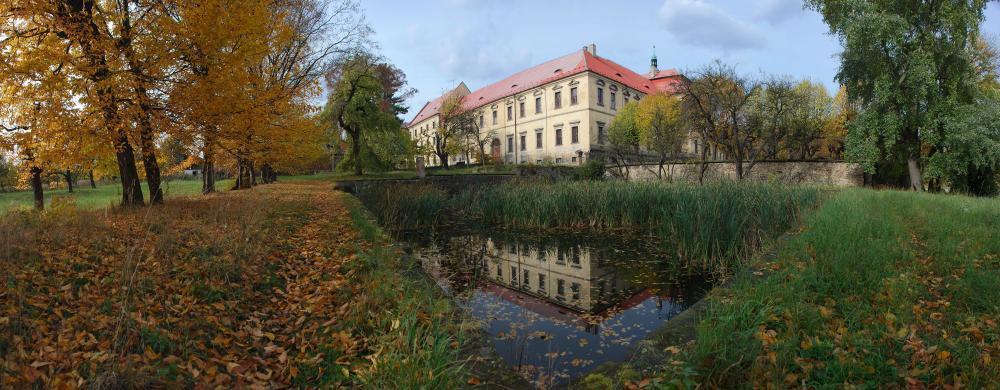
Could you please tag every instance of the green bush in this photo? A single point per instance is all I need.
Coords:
(591, 170)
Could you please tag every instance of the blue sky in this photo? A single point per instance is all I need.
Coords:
(441, 42)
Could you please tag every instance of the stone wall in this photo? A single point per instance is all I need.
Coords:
(451, 184)
(839, 174)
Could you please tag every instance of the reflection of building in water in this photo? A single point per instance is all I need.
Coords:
(572, 277)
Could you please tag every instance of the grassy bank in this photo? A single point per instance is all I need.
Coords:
(282, 285)
(880, 289)
(715, 225)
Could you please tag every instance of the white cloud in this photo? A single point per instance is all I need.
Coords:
(696, 22)
(777, 11)
(476, 56)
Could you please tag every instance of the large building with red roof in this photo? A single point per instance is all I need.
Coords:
(555, 112)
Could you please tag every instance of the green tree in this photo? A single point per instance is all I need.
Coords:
(357, 107)
(908, 64)
(970, 154)
(624, 134)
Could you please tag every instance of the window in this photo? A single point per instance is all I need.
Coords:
(510, 144)
(560, 287)
(558, 99)
(527, 278)
(481, 123)
(575, 288)
(574, 134)
(541, 282)
(538, 140)
(625, 99)
(575, 259)
(521, 106)
(600, 96)
(499, 272)
(573, 159)
(613, 101)
(558, 160)
(523, 141)
(558, 136)
(601, 136)
(538, 105)
(695, 147)
(434, 125)
(494, 117)
(513, 275)
(510, 113)
(573, 98)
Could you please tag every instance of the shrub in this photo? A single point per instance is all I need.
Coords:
(591, 170)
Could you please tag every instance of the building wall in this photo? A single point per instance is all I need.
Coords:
(587, 115)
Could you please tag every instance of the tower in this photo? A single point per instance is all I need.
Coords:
(653, 69)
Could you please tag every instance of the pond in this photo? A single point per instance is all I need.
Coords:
(556, 306)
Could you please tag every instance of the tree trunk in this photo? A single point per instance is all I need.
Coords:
(356, 150)
(79, 16)
(207, 172)
(253, 175)
(36, 187)
(69, 180)
(93, 184)
(146, 131)
(444, 160)
(131, 186)
(913, 167)
(704, 162)
(152, 167)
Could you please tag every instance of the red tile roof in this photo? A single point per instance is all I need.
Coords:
(571, 64)
(432, 107)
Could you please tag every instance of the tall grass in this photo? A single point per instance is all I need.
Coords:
(881, 287)
(405, 206)
(418, 332)
(715, 225)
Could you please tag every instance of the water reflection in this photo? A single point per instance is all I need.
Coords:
(558, 306)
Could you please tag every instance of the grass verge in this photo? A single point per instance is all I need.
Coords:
(879, 289)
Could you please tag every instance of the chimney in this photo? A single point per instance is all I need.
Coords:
(591, 48)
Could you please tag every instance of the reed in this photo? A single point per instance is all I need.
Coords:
(405, 206)
(717, 226)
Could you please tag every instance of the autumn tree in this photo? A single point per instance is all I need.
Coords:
(456, 123)
(843, 111)
(909, 65)
(661, 127)
(716, 105)
(624, 136)
(809, 117)
(772, 111)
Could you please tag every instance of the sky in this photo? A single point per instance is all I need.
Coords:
(439, 43)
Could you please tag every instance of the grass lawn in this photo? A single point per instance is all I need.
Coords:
(880, 288)
(284, 285)
(104, 195)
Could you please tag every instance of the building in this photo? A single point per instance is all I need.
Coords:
(555, 112)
